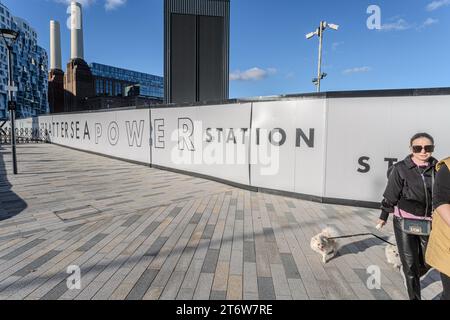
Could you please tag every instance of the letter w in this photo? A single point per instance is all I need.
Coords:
(134, 133)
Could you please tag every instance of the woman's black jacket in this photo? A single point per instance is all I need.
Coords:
(410, 189)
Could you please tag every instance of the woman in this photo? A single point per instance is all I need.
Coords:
(408, 196)
(438, 252)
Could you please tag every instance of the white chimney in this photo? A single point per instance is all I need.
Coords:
(55, 46)
(77, 47)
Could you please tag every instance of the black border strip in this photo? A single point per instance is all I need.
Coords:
(206, 177)
(323, 95)
(300, 196)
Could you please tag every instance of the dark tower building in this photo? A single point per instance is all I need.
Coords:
(197, 45)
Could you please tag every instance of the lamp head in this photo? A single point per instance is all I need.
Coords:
(311, 34)
(10, 36)
(333, 26)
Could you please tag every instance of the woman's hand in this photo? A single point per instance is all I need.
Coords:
(381, 224)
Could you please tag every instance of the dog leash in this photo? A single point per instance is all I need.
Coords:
(361, 235)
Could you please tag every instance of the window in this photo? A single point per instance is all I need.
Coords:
(118, 89)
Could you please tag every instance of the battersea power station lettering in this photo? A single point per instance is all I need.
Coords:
(186, 135)
(82, 131)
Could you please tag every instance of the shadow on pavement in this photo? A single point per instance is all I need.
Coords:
(10, 203)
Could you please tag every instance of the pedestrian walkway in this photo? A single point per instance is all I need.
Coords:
(141, 233)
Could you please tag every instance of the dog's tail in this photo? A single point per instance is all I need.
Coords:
(330, 232)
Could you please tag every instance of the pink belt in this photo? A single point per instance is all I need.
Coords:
(403, 214)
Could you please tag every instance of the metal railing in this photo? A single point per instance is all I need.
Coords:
(24, 136)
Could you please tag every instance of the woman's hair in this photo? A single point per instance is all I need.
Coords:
(422, 135)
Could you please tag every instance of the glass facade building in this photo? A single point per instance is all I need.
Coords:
(30, 69)
(112, 81)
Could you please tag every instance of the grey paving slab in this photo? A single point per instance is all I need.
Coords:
(91, 243)
(266, 289)
(17, 252)
(210, 262)
(249, 252)
(290, 267)
(56, 292)
(36, 263)
(218, 295)
(143, 284)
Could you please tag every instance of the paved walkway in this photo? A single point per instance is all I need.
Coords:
(141, 233)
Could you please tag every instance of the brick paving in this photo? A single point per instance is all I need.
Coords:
(141, 233)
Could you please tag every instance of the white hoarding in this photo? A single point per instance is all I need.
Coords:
(209, 140)
(288, 146)
(366, 135)
(338, 148)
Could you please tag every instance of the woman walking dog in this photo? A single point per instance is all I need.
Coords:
(408, 197)
(438, 253)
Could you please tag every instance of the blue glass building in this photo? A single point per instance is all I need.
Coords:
(30, 69)
(112, 81)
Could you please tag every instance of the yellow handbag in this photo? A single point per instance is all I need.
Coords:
(438, 250)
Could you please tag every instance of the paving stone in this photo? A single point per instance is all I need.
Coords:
(17, 252)
(210, 263)
(289, 266)
(266, 289)
(142, 285)
(30, 268)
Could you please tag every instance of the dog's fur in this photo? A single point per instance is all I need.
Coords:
(323, 245)
(393, 257)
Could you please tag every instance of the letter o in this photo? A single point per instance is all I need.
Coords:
(113, 133)
(282, 141)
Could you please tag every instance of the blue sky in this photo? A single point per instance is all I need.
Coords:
(269, 52)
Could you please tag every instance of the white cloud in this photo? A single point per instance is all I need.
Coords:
(427, 23)
(357, 70)
(290, 75)
(437, 4)
(114, 4)
(398, 25)
(252, 74)
(336, 45)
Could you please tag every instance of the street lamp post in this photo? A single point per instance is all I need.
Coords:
(319, 32)
(9, 37)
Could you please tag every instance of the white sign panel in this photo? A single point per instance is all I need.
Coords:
(288, 146)
(210, 140)
(367, 135)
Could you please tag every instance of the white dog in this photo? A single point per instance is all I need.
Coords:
(393, 257)
(323, 245)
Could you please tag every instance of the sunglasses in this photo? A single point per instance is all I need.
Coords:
(418, 149)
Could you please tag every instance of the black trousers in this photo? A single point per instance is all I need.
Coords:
(446, 285)
(412, 251)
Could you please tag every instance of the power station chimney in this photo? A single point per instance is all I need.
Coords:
(55, 46)
(77, 46)
(78, 79)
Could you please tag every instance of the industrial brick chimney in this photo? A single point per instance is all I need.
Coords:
(78, 80)
(56, 75)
